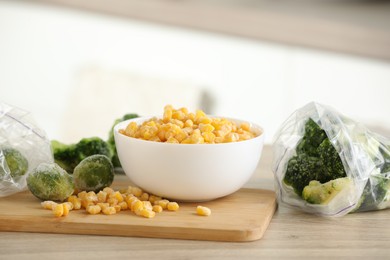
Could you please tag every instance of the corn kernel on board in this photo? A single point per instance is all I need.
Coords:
(242, 216)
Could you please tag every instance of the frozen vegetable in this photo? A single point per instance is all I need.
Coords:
(69, 156)
(50, 182)
(93, 173)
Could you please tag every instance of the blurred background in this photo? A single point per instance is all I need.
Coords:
(78, 65)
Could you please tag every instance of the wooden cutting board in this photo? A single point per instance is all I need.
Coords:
(242, 216)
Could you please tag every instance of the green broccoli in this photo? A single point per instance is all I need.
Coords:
(69, 156)
(50, 182)
(93, 173)
(16, 162)
(316, 159)
(317, 193)
(111, 141)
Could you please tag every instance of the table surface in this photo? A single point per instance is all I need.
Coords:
(291, 234)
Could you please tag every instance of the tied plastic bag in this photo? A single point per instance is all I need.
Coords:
(23, 146)
(327, 164)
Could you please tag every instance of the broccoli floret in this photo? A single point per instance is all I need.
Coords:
(111, 141)
(317, 193)
(69, 156)
(301, 170)
(16, 162)
(331, 160)
(312, 138)
(94, 173)
(65, 156)
(316, 159)
(50, 182)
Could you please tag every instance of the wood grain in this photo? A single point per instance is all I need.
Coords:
(242, 216)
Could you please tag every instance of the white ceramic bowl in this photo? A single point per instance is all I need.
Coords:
(188, 172)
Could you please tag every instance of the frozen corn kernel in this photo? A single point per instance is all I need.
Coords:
(103, 205)
(66, 208)
(117, 208)
(153, 198)
(91, 196)
(109, 211)
(130, 200)
(102, 196)
(245, 126)
(108, 190)
(69, 205)
(112, 201)
(173, 206)
(157, 208)
(48, 204)
(136, 191)
(58, 210)
(163, 203)
(203, 211)
(94, 209)
(147, 205)
(146, 213)
(123, 205)
(179, 126)
(144, 196)
(136, 205)
(75, 201)
(116, 195)
(82, 195)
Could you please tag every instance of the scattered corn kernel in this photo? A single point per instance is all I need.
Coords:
(136, 205)
(110, 202)
(48, 204)
(162, 203)
(173, 206)
(136, 191)
(147, 213)
(203, 211)
(157, 208)
(75, 201)
(109, 211)
(94, 209)
(144, 196)
(102, 196)
(58, 210)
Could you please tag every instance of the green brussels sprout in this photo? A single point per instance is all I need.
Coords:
(93, 173)
(50, 182)
(16, 163)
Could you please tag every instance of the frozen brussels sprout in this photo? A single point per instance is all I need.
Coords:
(16, 162)
(93, 173)
(50, 182)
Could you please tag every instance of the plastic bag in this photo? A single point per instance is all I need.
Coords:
(23, 146)
(354, 174)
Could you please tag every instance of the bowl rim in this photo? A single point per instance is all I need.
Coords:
(144, 118)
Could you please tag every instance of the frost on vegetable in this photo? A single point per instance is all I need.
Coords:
(93, 173)
(16, 163)
(316, 159)
(69, 156)
(50, 182)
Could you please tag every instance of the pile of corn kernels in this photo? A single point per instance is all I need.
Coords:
(180, 126)
(109, 202)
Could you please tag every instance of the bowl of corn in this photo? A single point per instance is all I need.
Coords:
(188, 156)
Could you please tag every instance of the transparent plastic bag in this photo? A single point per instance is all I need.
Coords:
(301, 153)
(23, 146)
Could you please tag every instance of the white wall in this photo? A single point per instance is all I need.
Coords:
(43, 50)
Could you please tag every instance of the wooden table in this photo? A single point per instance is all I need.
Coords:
(291, 234)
